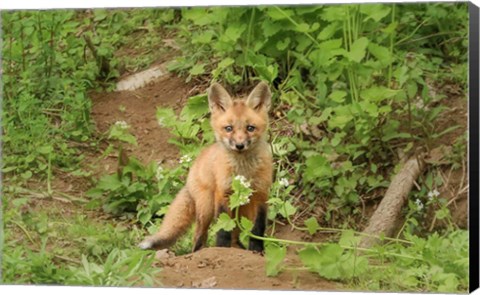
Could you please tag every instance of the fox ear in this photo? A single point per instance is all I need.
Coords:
(218, 98)
(260, 97)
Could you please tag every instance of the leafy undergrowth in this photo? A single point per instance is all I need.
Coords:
(64, 245)
(356, 90)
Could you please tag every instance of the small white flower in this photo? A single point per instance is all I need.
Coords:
(283, 182)
(185, 159)
(245, 199)
(419, 204)
(160, 121)
(433, 194)
(243, 181)
(159, 173)
(419, 103)
(121, 124)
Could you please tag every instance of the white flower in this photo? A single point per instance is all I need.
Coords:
(160, 121)
(121, 124)
(283, 182)
(185, 159)
(419, 204)
(419, 103)
(433, 194)
(244, 199)
(243, 181)
(159, 173)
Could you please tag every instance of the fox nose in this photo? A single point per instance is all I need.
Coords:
(239, 146)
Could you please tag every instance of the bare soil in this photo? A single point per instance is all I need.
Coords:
(138, 108)
(233, 268)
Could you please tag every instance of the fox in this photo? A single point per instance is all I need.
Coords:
(240, 127)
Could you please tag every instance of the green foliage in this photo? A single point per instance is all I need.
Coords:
(145, 190)
(188, 125)
(274, 255)
(349, 71)
(48, 67)
(73, 249)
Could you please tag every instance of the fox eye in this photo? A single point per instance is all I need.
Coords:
(228, 128)
(250, 128)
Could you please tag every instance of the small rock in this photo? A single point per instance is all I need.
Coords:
(201, 264)
(207, 283)
(162, 254)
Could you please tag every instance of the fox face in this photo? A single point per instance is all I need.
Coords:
(239, 124)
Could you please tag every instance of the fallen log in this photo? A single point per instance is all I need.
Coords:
(388, 212)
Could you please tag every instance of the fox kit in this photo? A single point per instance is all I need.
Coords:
(241, 148)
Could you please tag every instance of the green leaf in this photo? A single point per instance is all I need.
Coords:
(330, 44)
(226, 62)
(197, 69)
(46, 149)
(339, 121)
(382, 54)
(333, 13)
(348, 239)
(166, 117)
(312, 225)
(270, 28)
(246, 223)
(203, 38)
(277, 13)
(196, 107)
(198, 16)
(378, 93)
(233, 33)
(303, 28)
(109, 183)
(317, 167)
(144, 217)
(287, 209)
(310, 257)
(327, 32)
(390, 136)
(274, 255)
(27, 175)
(223, 222)
(374, 11)
(358, 49)
(338, 96)
(282, 45)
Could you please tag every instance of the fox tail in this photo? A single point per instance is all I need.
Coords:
(176, 222)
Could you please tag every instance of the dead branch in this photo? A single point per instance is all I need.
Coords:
(388, 212)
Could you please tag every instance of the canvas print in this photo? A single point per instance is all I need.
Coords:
(278, 147)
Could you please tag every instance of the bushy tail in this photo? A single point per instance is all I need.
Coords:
(176, 222)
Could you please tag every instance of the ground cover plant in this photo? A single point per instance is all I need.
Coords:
(357, 90)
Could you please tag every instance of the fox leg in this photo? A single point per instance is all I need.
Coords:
(256, 211)
(204, 215)
(258, 228)
(176, 222)
(224, 238)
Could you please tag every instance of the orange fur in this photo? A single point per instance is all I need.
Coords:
(241, 148)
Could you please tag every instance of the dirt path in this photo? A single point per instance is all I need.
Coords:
(137, 108)
(233, 268)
